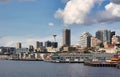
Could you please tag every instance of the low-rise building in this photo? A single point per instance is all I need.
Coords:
(95, 42)
(115, 39)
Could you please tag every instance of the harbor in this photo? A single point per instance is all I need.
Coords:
(90, 59)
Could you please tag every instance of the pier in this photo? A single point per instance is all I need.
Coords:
(80, 57)
(100, 64)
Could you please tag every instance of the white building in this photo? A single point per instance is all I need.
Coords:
(85, 39)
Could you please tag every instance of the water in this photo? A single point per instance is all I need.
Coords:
(46, 69)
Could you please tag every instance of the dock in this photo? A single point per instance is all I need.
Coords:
(79, 57)
(100, 64)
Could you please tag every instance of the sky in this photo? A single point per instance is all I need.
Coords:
(27, 21)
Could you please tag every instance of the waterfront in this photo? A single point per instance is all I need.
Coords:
(48, 69)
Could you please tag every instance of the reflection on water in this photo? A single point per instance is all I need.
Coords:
(45, 69)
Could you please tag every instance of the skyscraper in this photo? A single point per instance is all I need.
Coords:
(18, 45)
(85, 39)
(66, 37)
(99, 35)
(38, 44)
(104, 35)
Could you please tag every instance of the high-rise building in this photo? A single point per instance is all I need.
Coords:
(99, 35)
(38, 44)
(19, 45)
(104, 35)
(66, 37)
(85, 39)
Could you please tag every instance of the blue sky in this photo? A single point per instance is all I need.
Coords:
(29, 20)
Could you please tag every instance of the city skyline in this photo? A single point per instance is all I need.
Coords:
(27, 21)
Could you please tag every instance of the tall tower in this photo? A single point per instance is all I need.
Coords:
(66, 37)
(19, 45)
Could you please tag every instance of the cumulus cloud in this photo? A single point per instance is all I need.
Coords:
(110, 14)
(51, 24)
(75, 11)
(78, 12)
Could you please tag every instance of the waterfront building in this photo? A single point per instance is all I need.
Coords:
(22, 50)
(66, 37)
(95, 42)
(115, 39)
(19, 45)
(104, 35)
(7, 50)
(69, 49)
(51, 49)
(85, 39)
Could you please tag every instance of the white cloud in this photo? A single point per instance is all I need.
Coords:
(113, 9)
(110, 14)
(75, 11)
(51, 24)
(78, 12)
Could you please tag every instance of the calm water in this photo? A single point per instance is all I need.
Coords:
(45, 69)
